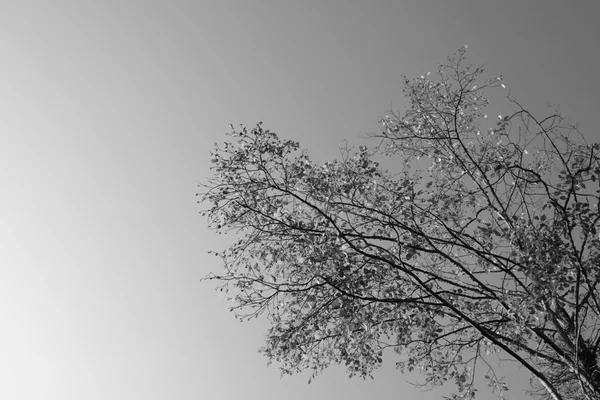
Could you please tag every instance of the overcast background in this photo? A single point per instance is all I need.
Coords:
(108, 110)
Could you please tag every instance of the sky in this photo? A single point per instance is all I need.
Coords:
(108, 110)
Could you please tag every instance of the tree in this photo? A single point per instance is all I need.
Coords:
(483, 243)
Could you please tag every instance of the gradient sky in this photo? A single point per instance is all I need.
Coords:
(108, 110)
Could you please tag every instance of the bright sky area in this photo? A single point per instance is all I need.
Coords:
(108, 110)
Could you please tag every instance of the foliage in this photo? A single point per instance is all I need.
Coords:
(483, 244)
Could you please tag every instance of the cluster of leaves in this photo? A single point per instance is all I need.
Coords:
(483, 243)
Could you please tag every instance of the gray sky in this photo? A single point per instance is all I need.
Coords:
(107, 112)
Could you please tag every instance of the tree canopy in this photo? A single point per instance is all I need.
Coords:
(482, 242)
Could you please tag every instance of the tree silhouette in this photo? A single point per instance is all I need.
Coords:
(482, 244)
